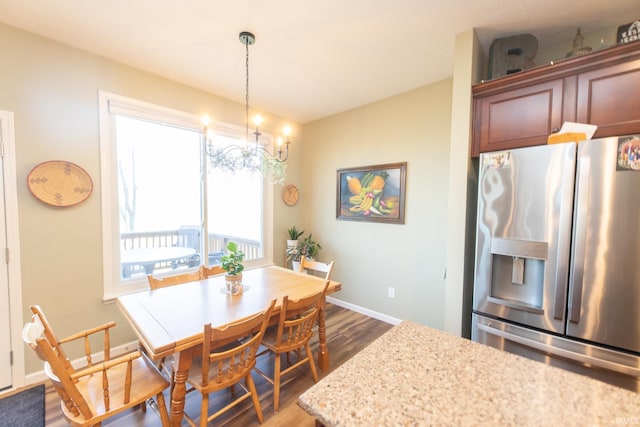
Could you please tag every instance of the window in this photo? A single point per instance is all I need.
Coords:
(160, 214)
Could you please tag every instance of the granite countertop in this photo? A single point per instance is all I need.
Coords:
(417, 376)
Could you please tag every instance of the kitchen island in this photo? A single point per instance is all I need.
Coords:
(417, 376)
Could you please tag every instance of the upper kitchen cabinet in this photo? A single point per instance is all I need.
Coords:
(522, 109)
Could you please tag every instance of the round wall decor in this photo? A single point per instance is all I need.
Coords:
(290, 195)
(59, 183)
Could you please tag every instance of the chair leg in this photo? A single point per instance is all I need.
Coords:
(312, 364)
(162, 407)
(204, 410)
(276, 384)
(254, 396)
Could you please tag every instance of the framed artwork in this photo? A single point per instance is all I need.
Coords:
(372, 193)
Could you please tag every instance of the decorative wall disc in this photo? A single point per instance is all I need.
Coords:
(59, 183)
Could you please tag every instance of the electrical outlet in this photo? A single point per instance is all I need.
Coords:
(391, 292)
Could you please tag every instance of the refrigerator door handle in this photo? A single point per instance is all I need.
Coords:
(579, 238)
(583, 358)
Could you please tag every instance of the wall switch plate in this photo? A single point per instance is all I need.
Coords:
(391, 292)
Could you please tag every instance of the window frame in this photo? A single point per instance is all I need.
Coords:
(111, 104)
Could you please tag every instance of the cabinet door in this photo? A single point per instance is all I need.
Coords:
(519, 117)
(610, 98)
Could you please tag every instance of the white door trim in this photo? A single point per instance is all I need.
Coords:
(7, 139)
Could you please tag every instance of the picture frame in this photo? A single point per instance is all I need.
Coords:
(374, 193)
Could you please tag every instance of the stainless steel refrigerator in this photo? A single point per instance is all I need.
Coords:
(557, 266)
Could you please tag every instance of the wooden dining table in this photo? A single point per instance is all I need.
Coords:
(170, 320)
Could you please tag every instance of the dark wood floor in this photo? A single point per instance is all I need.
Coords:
(348, 332)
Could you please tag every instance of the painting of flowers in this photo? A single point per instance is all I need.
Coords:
(371, 193)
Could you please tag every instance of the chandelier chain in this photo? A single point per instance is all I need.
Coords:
(246, 96)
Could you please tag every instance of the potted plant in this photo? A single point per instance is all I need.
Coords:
(308, 247)
(294, 235)
(231, 262)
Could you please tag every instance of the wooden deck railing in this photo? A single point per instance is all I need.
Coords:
(187, 237)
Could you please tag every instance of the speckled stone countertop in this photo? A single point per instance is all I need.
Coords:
(417, 376)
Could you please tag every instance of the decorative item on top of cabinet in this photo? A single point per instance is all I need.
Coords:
(629, 32)
(577, 48)
(521, 110)
(513, 54)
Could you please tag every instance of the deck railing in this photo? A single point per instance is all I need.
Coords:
(187, 237)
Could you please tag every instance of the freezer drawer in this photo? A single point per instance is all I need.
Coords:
(614, 367)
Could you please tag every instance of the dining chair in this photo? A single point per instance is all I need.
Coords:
(228, 358)
(176, 279)
(93, 393)
(316, 266)
(163, 282)
(292, 334)
(211, 271)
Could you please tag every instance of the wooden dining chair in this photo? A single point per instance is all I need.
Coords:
(176, 279)
(292, 334)
(316, 266)
(207, 272)
(99, 390)
(228, 358)
(163, 282)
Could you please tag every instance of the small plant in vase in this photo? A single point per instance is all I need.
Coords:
(294, 235)
(231, 262)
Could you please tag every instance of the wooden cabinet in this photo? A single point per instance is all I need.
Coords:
(521, 110)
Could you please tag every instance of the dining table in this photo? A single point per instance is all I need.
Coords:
(170, 320)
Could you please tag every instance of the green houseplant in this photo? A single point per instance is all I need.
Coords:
(308, 248)
(231, 262)
(294, 235)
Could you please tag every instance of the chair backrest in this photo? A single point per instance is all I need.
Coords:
(61, 378)
(211, 271)
(108, 393)
(56, 364)
(39, 325)
(308, 264)
(231, 363)
(177, 279)
(41, 320)
(297, 318)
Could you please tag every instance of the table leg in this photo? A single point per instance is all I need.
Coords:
(323, 351)
(182, 363)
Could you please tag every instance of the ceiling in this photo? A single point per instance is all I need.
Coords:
(311, 59)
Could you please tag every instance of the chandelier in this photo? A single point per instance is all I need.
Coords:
(251, 157)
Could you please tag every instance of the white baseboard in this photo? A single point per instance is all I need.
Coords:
(40, 376)
(365, 311)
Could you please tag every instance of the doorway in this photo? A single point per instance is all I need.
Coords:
(11, 348)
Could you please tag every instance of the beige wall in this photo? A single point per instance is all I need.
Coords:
(412, 127)
(53, 91)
